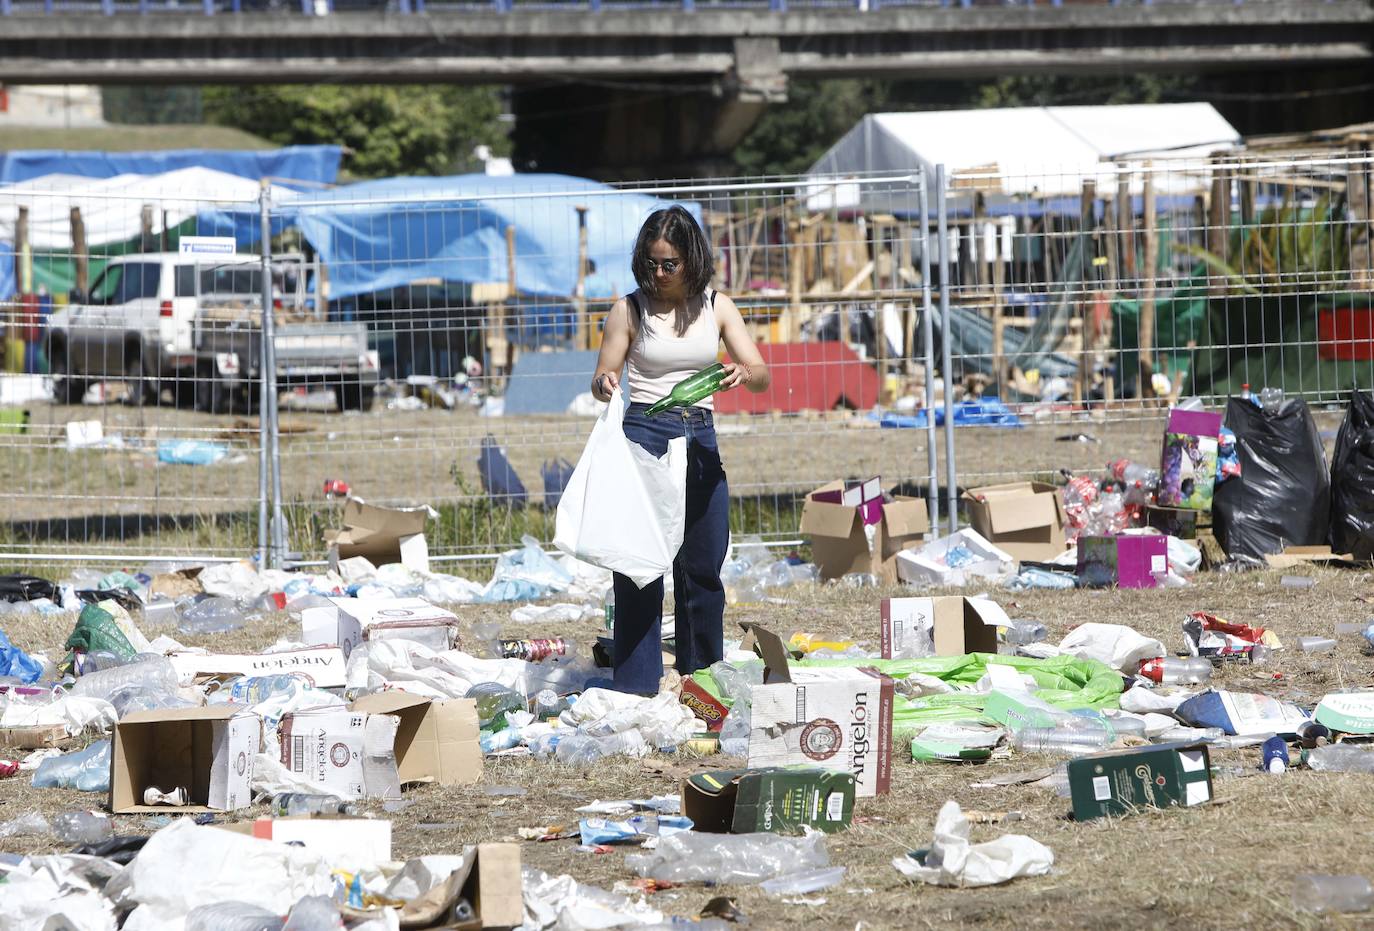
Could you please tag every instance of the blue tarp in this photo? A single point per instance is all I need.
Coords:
(984, 412)
(388, 233)
(313, 164)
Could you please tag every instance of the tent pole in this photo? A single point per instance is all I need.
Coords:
(946, 352)
(928, 350)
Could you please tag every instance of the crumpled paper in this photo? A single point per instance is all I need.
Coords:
(953, 861)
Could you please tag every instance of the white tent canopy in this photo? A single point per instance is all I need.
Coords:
(1046, 151)
(112, 208)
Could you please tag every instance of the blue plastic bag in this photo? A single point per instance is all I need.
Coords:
(190, 452)
(15, 662)
(499, 480)
(555, 474)
(87, 770)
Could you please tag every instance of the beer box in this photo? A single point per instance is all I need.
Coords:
(1121, 782)
(783, 801)
(835, 718)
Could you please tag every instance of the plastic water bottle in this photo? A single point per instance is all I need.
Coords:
(608, 608)
(1064, 741)
(583, 749)
(547, 704)
(734, 732)
(213, 615)
(81, 827)
(1024, 632)
(1314, 892)
(1271, 399)
(1133, 474)
(315, 913)
(251, 690)
(533, 650)
(1341, 758)
(1316, 644)
(309, 803)
(232, 916)
(150, 672)
(493, 701)
(1172, 670)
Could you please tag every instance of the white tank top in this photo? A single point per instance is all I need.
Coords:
(659, 358)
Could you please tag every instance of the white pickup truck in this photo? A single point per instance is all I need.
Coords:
(191, 325)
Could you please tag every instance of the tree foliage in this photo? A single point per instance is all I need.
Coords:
(387, 129)
(150, 105)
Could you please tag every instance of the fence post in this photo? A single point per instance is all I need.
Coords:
(928, 339)
(265, 387)
(268, 403)
(946, 353)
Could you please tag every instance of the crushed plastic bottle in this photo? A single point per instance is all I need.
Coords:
(547, 704)
(232, 916)
(734, 732)
(315, 913)
(1070, 740)
(730, 858)
(213, 615)
(1315, 892)
(1023, 632)
(87, 770)
(493, 701)
(583, 749)
(1341, 758)
(25, 825)
(1297, 581)
(1316, 644)
(81, 827)
(1172, 670)
(151, 672)
(1270, 399)
(805, 882)
(285, 804)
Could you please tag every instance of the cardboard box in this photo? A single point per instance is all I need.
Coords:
(836, 718)
(952, 625)
(1024, 519)
(1188, 463)
(36, 737)
(177, 584)
(347, 753)
(490, 879)
(866, 496)
(782, 801)
(208, 751)
(1129, 561)
(704, 705)
(324, 665)
(436, 741)
(349, 621)
(1347, 712)
(1121, 782)
(368, 839)
(929, 565)
(1173, 522)
(381, 535)
(840, 544)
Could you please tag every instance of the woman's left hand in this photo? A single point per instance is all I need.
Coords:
(735, 375)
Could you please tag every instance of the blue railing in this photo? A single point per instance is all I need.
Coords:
(326, 7)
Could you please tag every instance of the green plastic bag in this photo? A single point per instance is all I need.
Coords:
(95, 630)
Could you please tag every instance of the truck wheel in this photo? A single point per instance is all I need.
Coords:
(67, 388)
(142, 386)
(352, 396)
(212, 395)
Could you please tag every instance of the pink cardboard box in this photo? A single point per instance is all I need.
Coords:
(1130, 561)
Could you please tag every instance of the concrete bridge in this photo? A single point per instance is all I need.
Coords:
(651, 89)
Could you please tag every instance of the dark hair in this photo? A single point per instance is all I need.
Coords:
(679, 228)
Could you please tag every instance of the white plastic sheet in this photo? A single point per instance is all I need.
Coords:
(50, 894)
(953, 861)
(624, 509)
(74, 712)
(1114, 644)
(560, 902)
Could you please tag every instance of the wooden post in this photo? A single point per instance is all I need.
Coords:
(791, 329)
(1145, 332)
(1125, 225)
(580, 299)
(80, 255)
(23, 258)
(1087, 223)
(980, 269)
(1357, 198)
(1218, 220)
(146, 242)
(499, 345)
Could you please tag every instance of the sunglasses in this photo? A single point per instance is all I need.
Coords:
(668, 266)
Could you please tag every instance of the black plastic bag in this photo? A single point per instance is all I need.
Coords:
(499, 480)
(555, 474)
(1282, 496)
(15, 588)
(1352, 480)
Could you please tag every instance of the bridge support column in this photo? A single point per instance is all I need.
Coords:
(620, 131)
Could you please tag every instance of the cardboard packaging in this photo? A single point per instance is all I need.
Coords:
(369, 839)
(347, 753)
(491, 882)
(1120, 782)
(380, 535)
(349, 621)
(840, 543)
(839, 719)
(1188, 463)
(35, 737)
(1347, 712)
(1127, 561)
(436, 741)
(1024, 519)
(207, 751)
(704, 705)
(324, 665)
(1173, 522)
(783, 801)
(950, 626)
(930, 564)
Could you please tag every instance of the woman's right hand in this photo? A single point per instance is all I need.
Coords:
(604, 384)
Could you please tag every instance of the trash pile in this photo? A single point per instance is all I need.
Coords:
(774, 750)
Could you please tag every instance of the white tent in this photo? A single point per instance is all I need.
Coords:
(1044, 151)
(112, 208)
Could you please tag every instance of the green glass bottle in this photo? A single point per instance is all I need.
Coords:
(691, 389)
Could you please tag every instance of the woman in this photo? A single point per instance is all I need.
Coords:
(668, 329)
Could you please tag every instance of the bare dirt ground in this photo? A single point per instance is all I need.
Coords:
(1226, 865)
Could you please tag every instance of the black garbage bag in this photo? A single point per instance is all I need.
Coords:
(499, 480)
(1352, 480)
(1282, 496)
(555, 474)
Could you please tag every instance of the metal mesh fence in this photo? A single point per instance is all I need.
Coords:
(435, 340)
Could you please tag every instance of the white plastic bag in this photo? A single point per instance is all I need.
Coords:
(954, 861)
(624, 509)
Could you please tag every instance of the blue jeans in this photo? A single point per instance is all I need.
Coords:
(698, 595)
